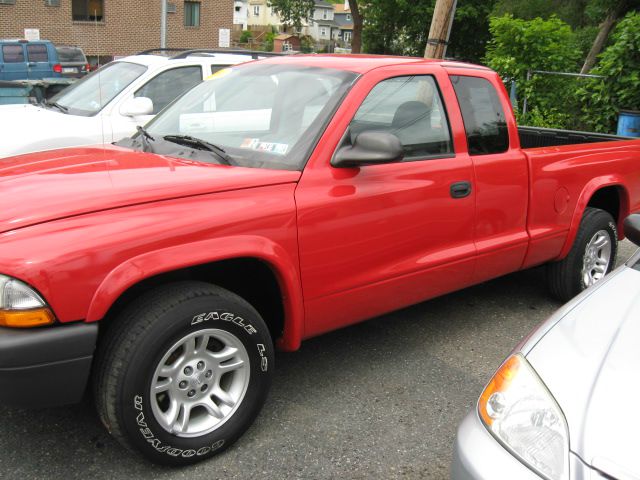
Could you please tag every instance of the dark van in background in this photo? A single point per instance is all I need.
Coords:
(35, 60)
(72, 60)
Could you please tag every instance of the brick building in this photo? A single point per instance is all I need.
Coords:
(117, 27)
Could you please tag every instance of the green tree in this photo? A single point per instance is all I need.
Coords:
(620, 88)
(400, 27)
(293, 12)
(518, 46)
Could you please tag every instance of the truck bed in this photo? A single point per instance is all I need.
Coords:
(535, 137)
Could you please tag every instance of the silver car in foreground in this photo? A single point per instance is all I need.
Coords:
(566, 403)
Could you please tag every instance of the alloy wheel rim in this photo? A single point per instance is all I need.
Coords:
(199, 383)
(596, 259)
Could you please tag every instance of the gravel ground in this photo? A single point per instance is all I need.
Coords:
(378, 400)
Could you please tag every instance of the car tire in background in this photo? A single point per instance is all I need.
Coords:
(183, 372)
(591, 257)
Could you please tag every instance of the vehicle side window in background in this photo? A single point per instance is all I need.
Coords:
(13, 53)
(217, 68)
(169, 85)
(411, 108)
(37, 53)
(483, 116)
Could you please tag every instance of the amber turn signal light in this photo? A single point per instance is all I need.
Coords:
(26, 318)
(498, 384)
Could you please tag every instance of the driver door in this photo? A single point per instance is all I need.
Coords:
(380, 237)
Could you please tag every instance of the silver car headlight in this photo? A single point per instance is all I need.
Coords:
(21, 306)
(521, 413)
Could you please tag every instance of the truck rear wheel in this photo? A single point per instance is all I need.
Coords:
(591, 257)
(183, 372)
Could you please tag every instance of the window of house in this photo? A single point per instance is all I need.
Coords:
(482, 114)
(256, 10)
(323, 32)
(13, 53)
(325, 14)
(411, 108)
(191, 14)
(347, 36)
(87, 10)
(348, 17)
(169, 85)
(37, 53)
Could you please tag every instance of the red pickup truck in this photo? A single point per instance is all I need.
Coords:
(277, 201)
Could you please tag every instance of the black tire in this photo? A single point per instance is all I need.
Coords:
(144, 334)
(565, 277)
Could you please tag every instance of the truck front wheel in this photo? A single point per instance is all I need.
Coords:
(591, 257)
(183, 372)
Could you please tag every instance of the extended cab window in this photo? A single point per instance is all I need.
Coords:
(411, 109)
(483, 116)
(170, 84)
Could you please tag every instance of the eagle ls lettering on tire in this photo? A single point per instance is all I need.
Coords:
(195, 386)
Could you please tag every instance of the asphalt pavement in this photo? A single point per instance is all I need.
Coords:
(378, 400)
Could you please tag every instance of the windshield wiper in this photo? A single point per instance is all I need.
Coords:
(145, 137)
(62, 108)
(200, 145)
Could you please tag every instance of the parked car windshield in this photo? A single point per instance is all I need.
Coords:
(89, 95)
(263, 115)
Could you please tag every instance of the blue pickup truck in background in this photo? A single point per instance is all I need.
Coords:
(35, 60)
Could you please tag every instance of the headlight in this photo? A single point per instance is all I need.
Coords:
(519, 411)
(21, 306)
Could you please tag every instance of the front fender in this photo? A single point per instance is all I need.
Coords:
(186, 255)
(585, 196)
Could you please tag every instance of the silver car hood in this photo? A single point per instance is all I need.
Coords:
(588, 355)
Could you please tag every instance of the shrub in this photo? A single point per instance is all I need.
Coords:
(518, 46)
(245, 36)
(619, 63)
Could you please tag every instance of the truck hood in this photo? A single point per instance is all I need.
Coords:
(590, 362)
(44, 186)
(30, 128)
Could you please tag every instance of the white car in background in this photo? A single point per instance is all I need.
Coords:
(110, 103)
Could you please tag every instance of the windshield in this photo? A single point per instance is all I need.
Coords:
(261, 115)
(70, 54)
(89, 95)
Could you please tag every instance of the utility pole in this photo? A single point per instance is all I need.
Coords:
(441, 22)
(163, 24)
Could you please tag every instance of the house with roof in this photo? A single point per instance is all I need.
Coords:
(321, 26)
(240, 14)
(344, 20)
(286, 42)
(260, 13)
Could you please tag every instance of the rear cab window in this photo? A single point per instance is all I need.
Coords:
(482, 113)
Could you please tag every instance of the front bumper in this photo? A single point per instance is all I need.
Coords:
(477, 455)
(45, 366)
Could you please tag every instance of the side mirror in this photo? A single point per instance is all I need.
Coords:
(632, 228)
(137, 106)
(369, 148)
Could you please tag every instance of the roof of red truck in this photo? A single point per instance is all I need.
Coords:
(364, 63)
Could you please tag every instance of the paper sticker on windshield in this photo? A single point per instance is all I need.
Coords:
(270, 147)
(219, 73)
